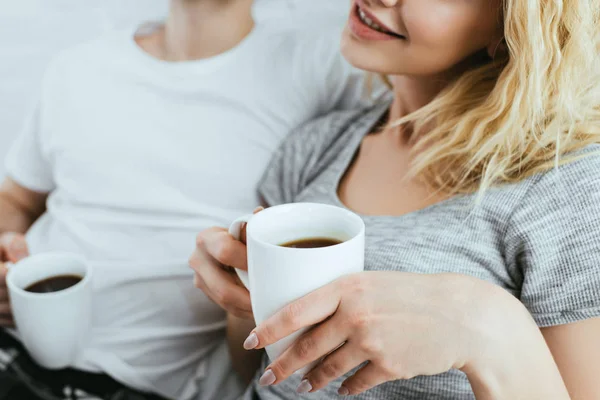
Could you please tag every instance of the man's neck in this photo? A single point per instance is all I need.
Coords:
(197, 29)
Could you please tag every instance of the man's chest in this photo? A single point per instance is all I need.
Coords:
(198, 147)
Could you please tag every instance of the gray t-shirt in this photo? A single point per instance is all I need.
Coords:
(538, 239)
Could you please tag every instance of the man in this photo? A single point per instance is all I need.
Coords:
(139, 140)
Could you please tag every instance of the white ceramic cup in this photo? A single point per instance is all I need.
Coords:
(52, 326)
(279, 275)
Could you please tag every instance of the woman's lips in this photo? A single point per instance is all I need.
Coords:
(364, 25)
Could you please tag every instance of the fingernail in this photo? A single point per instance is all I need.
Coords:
(267, 379)
(304, 387)
(251, 342)
(343, 391)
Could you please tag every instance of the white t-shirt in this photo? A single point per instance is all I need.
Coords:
(33, 31)
(139, 155)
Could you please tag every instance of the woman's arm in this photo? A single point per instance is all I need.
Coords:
(514, 361)
(407, 325)
(245, 363)
(576, 349)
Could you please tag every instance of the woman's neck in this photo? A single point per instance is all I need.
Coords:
(197, 29)
(413, 93)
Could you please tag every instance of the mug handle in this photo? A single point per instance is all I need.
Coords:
(235, 230)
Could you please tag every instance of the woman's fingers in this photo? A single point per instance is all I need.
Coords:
(225, 291)
(364, 379)
(234, 309)
(312, 346)
(223, 247)
(311, 309)
(335, 365)
(220, 286)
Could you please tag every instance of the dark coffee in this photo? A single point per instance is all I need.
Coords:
(54, 284)
(311, 243)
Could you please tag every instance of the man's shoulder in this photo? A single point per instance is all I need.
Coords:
(290, 43)
(91, 52)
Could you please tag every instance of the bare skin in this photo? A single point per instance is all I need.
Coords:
(19, 209)
(194, 29)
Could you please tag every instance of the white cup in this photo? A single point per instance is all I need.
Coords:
(52, 326)
(279, 275)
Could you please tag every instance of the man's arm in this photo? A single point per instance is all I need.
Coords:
(19, 207)
(245, 362)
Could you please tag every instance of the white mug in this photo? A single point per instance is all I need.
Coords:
(52, 326)
(279, 275)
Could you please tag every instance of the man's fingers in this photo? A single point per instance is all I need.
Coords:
(311, 309)
(6, 321)
(3, 273)
(14, 246)
(5, 309)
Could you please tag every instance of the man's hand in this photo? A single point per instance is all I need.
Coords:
(13, 248)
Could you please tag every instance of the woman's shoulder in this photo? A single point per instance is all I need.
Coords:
(577, 174)
(553, 239)
(568, 194)
(333, 130)
(312, 148)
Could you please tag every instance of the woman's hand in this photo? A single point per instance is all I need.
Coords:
(217, 251)
(401, 325)
(216, 254)
(13, 248)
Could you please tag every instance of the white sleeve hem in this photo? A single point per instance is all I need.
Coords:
(28, 179)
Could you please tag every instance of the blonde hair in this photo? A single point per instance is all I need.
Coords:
(509, 119)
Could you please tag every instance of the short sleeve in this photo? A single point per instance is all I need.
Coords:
(554, 236)
(26, 162)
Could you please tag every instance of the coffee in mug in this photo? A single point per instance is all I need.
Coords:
(311, 243)
(294, 249)
(54, 284)
(51, 299)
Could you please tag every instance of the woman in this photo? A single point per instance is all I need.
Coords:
(479, 184)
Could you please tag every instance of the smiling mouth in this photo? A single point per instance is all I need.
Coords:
(373, 25)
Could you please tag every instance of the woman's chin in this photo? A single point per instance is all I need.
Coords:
(372, 63)
(369, 57)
